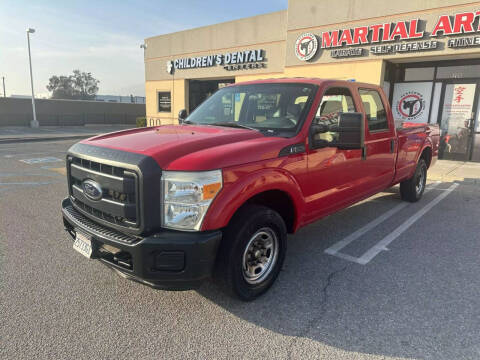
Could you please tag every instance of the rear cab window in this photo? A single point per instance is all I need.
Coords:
(375, 112)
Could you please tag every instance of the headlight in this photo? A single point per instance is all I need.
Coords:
(187, 196)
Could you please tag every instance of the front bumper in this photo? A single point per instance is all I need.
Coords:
(172, 260)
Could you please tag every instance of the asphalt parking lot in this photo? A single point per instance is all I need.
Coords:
(353, 287)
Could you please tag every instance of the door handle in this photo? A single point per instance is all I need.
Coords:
(392, 146)
(364, 152)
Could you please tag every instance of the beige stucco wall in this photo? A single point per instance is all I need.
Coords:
(267, 32)
(179, 93)
(363, 71)
(243, 32)
(304, 14)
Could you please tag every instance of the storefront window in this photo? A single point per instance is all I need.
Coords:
(458, 72)
(418, 74)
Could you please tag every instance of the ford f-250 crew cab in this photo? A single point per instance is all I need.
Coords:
(216, 195)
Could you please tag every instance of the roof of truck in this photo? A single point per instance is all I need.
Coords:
(302, 80)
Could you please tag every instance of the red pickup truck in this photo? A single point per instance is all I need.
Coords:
(216, 195)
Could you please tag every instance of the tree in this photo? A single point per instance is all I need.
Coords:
(78, 86)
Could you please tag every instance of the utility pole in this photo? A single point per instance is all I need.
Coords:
(34, 122)
(4, 93)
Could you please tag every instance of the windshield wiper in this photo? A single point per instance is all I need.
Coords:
(234, 125)
(188, 122)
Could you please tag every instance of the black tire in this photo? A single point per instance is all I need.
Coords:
(251, 225)
(412, 189)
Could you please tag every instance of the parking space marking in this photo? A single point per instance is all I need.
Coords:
(335, 248)
(382, 244)
(40, 160)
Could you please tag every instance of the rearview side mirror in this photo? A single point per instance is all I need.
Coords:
(351, 131)
(182, 115)
(348, 133)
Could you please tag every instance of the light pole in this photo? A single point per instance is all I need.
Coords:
(4, 93)
(34, 122)
(144, 47)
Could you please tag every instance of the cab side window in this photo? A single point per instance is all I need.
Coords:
(335, 101)
(374, 110)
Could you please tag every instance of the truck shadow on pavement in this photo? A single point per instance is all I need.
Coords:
(419, 299)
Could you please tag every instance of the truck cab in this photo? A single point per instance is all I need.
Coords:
(216, 195)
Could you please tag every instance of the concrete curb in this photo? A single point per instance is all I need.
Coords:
(50, 138)
(449, 178)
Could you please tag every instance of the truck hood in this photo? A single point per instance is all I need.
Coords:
(193, 148)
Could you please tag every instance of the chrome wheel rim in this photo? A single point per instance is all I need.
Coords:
(260, 256)
(420, 182)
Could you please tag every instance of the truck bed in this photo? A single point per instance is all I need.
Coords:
(412, 137)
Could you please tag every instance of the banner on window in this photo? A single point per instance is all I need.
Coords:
(411, 101)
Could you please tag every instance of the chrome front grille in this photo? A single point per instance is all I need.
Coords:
(119, 204)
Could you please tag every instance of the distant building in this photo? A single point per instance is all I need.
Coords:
(121, 99)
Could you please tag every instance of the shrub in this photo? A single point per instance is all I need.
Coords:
(141, 121)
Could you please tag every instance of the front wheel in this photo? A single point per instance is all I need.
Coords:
(412, 189)
(252, 251)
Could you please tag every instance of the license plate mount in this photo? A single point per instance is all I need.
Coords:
(83, 244)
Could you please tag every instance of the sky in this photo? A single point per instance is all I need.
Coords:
(101, 37)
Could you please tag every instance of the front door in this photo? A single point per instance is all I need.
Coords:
(334, 175)
(457, 119)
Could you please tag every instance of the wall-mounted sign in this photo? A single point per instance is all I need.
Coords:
(164, 101)
(306, 46)
(411, 101)
(238, 60)
(349, 41)
(463, 42)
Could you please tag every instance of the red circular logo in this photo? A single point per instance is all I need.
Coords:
(411, 105)
(306, 46)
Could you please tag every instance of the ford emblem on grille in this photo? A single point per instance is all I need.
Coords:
(92, 189)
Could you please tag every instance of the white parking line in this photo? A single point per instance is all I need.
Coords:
(335, 248)
(382, 244)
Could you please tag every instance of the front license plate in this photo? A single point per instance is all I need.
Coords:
(83, 245)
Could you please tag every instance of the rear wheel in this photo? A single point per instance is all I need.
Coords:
(252, 252)
(412, 189)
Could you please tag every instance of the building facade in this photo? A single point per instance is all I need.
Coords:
(425, 54)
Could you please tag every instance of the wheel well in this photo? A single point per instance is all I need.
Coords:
(279, 201)
(427, 156)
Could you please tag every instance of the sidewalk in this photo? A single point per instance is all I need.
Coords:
(14, 134)
(449, 171)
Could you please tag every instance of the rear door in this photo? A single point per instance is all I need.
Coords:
(380, 139)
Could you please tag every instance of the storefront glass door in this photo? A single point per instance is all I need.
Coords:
(457, 114)
(476, 136)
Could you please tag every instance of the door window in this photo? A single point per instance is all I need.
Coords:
(374, 110)
(335, 101)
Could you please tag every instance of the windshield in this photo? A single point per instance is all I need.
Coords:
(264, 107)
